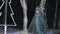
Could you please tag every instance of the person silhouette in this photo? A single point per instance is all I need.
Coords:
(38, 24)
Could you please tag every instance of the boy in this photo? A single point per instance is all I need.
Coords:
(38, 24)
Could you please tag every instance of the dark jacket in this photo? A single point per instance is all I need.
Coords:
(38, 25)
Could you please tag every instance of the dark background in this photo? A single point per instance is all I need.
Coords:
(31, 4)
(18, 12)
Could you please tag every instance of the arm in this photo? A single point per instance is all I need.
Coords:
(32, 24)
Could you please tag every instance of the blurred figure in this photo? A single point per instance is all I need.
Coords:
(38, 24)
(31, 4)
